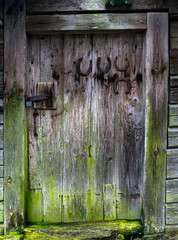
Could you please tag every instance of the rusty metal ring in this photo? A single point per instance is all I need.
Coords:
(121, 69)
(78, 68)
(107, 68)
(127, 80)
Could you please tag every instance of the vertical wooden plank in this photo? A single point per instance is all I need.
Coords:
(156, 79)
(34, 142)
(15, 127)
(109, 201)
(35, 206)
(77, 97)
(51, 66)
(130, 135)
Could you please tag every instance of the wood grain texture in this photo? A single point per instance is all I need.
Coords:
(174, 95)
(1, 136)
(172, 163)
(84, 22)
(173, 62)
(1, 157)
(173, 26)
(174, 43)
(172, 191)
(156, 91)
(1, 171)
(1, 189)
(77, 170)
(109, 202)
(100, 5)
(172, 137)
(15, 127)
(34, 143)
(173, 115)
(172, 214)
(34, 206)
(81, 146)
(1, 57)
(51, 65)
(173, 81)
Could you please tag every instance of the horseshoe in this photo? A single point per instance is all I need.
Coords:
(122, 69)
(78, 68)
(127, 80)
(107, 68)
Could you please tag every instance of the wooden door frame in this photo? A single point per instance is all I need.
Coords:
(16, 26)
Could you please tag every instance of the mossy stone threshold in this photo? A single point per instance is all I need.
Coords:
(119, 229)
(107, 230)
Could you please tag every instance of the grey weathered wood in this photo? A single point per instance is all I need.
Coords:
(174, 43)
(120, 116)
(77, 172)
(51, 65)
(109, 202)
(173, 115)
(173, 62)
(1, 57)
(173, 81)
(174, 26)
(1, 171)
(15, 127)
(46, 6)
(173, 137)
(1, 157)
(34, 143)
(172, 191)
(1, 136)
(84, 22)
(172, 214)
(172, 163)
(155, 92)
(174, 95)
(1, 189)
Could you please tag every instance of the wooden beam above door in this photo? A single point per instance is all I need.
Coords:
(38, 24)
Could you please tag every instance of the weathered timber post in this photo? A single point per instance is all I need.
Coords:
(156, 94)
(15, 128)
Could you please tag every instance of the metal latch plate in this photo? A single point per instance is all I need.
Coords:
(46, 89)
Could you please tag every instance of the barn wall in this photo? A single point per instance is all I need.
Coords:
(172, 152)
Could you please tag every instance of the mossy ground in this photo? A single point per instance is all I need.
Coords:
(107, 230)
(119, 229)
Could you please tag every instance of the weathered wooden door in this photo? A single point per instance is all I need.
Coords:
(96, 146)
(86, 156)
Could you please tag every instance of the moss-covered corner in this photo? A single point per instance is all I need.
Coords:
(119, 229)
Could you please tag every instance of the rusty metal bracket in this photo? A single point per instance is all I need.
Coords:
(79, 70)
(127, 80)
(103, 71)
(121, 69)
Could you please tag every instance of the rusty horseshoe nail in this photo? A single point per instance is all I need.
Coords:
(78, 68)
(121, 69)
(107, 68)
(127, 80)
